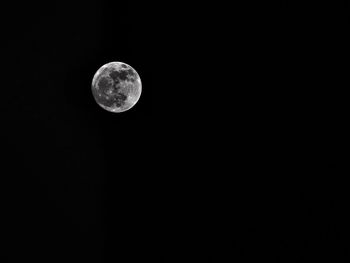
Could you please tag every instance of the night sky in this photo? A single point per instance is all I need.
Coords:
(218, 154)
(72, 171)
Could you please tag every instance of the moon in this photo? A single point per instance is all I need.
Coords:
(116, 87)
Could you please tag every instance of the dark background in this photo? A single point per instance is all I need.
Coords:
(75, 177)
(220, 154)
(80, 183)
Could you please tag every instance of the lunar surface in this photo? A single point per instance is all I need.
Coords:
(116, 87)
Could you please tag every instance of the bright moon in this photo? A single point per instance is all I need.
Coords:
(116, 87)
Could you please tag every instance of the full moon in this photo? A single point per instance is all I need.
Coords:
(116, 87)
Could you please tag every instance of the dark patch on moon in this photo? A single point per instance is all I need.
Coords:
(103, 83)
(121, 75)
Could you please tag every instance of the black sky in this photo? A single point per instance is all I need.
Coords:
(203, 163)
(72, 168)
